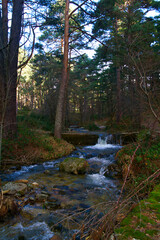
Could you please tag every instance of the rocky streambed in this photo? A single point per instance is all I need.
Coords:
(46, 203)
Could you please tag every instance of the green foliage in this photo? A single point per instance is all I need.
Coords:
(124, 125)
(146, 160)
(144, 216)
(143, 135)
(34, 120)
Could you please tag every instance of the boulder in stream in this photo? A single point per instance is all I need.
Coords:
(74, 165)
(13, 188)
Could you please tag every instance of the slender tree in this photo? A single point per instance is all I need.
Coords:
(62, 91)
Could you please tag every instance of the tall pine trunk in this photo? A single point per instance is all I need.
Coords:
(11, 62)
(8, 68)
(63, 86)
(119, 107)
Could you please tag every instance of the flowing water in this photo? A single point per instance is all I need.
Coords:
(76, 194)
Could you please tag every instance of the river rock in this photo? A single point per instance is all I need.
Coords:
(53, 205)
(14, 188)
(56, 237)
(22, 181)
(8, 207)
(41, 197)
(113, 170)
(74, 165)
(35, 185)
(69, 204)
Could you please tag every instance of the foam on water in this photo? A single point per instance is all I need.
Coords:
(100, 180)
(100, 160)
(103, 146)
(104, 143)
(49, 164)
(37, 231)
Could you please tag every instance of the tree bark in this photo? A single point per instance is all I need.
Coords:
(63, 86)
(10, 128)
(119, 113)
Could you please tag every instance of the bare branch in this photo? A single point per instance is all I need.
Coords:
(85, 32)
(33, 45)
(78, 6)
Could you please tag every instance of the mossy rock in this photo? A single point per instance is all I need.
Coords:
(74, 165)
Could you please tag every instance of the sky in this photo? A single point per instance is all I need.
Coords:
(95, 44)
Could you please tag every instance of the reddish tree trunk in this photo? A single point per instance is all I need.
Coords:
(10, 123)
(63, 86)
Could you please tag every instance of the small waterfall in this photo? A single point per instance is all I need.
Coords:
(106, 141)
(102, 170)
(103, 140)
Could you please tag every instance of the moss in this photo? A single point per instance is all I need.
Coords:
(145, 219)
(127, 232)
(126, 221)
(142, 222)
(151, 232)
(155, 206)
(74, 165)
(155, 195)
(33, 146)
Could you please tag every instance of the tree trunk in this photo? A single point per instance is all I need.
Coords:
(11, 105)
(119, 113)
(63, 86)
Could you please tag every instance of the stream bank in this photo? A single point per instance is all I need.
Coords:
(55, 202)
(58, 203)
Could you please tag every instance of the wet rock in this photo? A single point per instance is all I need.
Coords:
(113, 170)
(21, 238)
(84, 206)
(27, 215)
(57, 228)
(62, 187)
(8, 207)
(45, 192)
(14, 188)
(56, 237)
(89, 155)
(22, 181)
(47, 172)
(32, 199)
(53, 205)
(41, 197)
(74, 165)
(69, 204)
(94, 168)
(14, 168)
(35, 185)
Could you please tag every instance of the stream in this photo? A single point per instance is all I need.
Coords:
(71, 200)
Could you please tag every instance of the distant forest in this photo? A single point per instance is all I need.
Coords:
(46, 66)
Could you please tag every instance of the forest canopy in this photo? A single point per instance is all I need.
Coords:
(60, 80)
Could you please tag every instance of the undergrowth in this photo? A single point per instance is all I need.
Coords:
(136, 213)
(33, 143)
(146, 160)
(35, 120)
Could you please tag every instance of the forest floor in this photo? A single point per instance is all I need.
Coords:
(143, 222)
(34, 144)
(140, 162)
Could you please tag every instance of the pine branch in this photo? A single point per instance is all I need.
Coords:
(33, 45)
